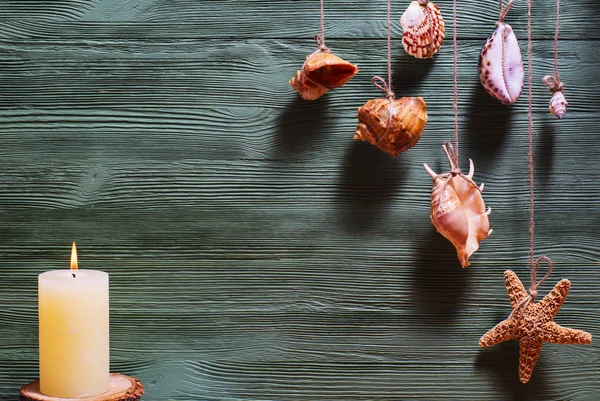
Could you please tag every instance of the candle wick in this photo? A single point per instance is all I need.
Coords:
(73, 274)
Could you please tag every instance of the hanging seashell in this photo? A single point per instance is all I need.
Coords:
(321, 72)
(458, 211)
(396, 133)
(500, 65)
(423, 28)
(558, 104)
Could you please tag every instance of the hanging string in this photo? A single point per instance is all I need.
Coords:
(530, 133)
(455, 44)
(320, 39)
(533, 290)
(521, 307)
(504, 11)
(553, 82)
(378, 82)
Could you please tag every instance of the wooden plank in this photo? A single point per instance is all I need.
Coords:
(134, 75)
(168, 19)
(255, 251)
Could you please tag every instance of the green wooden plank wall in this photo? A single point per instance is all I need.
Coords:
(255, 251)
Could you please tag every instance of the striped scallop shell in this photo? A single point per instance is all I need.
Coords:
(500, 65)
(423, 28)
(321, 72)
(409, 117)
(558, 104)
(459, 213)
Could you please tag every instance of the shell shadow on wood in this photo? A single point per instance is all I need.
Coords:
(423, 28)
(393, 125)
(457, 209)
(321, 72)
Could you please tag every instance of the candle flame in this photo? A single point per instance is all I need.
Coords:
(74, 264)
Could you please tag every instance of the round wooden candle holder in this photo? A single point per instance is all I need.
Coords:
(121, 388)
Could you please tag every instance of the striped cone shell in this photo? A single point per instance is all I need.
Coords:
(423, 28)
(500, 65)
(409, 117)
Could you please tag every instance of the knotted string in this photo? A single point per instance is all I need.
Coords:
(321, 47)
(454, 171)
(553, 82)
(533, 289)
(383, 86)
(504, 11)
(379, 82)
(521, 307)
(320, 37)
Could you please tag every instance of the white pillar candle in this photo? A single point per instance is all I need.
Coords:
(74, 333)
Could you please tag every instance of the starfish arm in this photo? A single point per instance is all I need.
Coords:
(557, 334)
(514, 287)
(530, 350)
(552, 302)
(503, 331)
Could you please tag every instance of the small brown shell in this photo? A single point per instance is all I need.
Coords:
(500, 65)
(458, 211)
(321, 72)
(423, 28)
(558, 104)
(409, 117)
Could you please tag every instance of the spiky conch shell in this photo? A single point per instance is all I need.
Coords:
(395, 135)
(459, 213)
(321, 72)
(558, 104)
(500, 65)
(423, 28)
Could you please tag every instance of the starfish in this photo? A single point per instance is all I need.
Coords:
(534, 324)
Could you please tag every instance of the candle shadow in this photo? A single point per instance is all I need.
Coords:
(368, 181)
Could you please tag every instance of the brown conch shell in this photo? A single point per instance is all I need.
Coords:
(500, 65)
(423, 28)
(396, 133)
(321, 72)
(457, 209)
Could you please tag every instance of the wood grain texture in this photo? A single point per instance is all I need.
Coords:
(255, 251)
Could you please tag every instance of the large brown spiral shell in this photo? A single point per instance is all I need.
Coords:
(321, 72)
(409, 117)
